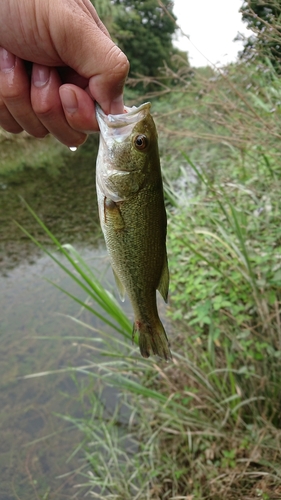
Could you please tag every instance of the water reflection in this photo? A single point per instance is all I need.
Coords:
(64, 199)
(29, 308)
(34, 339)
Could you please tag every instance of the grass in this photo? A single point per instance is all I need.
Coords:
(20, 151)
(217, 432)
(207, 426)
(84, 277)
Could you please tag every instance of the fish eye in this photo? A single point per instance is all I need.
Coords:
(140, 142)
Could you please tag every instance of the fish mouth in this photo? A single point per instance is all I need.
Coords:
(120, 126)
(117, 128)
(131, 115)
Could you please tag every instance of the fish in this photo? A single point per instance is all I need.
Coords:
(133, 218)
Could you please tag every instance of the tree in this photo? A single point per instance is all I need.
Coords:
(143, 30)
(264, 19)
(145, 34)
(107, 12)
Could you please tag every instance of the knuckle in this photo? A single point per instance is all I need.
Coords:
(118, 62)
(43, 109)
(7, 122)
(12, 128)
(11, 94)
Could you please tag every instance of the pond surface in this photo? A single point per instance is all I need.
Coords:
(35, 442)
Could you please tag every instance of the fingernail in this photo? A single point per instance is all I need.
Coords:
(7, 60)
(40, 75)
(69, 100)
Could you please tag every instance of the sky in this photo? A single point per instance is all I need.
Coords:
(211, 26)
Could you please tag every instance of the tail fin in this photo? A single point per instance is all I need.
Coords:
(152, 340)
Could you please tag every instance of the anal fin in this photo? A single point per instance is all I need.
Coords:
(120, 286)
(163, 285)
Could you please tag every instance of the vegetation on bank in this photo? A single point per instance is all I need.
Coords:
(263, 19)
(206, 427)
(22, 150)
(144, 30)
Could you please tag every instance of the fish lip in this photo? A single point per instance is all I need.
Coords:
(131, 116)
(117, 128)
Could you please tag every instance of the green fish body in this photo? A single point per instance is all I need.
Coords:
(133, 218)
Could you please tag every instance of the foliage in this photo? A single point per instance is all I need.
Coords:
(84, 277)
(190, 439)
(264, 19)
(144, 32)
(107, 12)
(226, 253)
(208, 425)
(22, 150)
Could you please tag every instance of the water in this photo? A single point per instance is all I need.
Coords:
(35, 443)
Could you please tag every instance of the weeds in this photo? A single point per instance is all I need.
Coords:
(20, 151)
(208, 425)
(202, 427)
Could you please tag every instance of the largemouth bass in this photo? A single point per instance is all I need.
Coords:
(133, 218)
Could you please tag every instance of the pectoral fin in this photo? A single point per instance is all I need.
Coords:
(120, 286)
(112, 214)
(163, 285)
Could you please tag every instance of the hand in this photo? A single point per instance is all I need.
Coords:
(75, 63)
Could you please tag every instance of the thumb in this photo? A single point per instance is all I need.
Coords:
(106, 67)
(106, 86)
(86, 48)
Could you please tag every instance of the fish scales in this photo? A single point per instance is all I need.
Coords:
(129, 253)
(133, 218)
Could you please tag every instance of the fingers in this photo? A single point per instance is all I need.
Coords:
(46, 103)
(39, 110)
(36, 106)
(98, 59)
(67, 34)
(79, 108)
(16, 112)
(7, 122)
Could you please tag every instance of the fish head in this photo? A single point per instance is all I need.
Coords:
(127, 153)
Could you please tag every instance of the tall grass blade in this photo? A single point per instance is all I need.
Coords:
(86, 280)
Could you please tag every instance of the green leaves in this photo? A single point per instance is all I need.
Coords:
(143, 30)
(222, 259)
(84, 277)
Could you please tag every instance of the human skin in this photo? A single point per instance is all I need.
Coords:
(75, 63)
